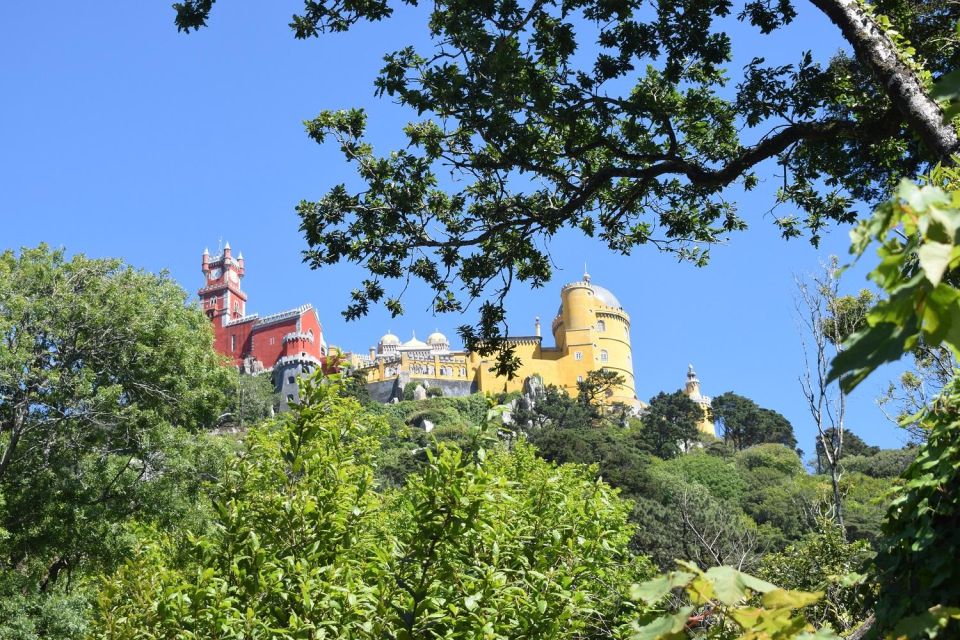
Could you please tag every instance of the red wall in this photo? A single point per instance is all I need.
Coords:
(257, 341)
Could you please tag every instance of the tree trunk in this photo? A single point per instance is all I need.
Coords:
(878, 53)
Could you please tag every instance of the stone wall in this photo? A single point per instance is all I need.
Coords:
(385, 390)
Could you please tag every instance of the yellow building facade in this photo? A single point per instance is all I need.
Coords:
(591, 332)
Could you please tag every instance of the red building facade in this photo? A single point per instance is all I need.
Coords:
(288, 344)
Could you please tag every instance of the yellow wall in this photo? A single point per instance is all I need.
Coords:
(589, 335)
(584, 331)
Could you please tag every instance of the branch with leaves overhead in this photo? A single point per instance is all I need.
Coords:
(620, 120)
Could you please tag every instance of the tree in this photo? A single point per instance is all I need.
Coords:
(598, 386)
(105, 376)
(625, 121)
(669, 422)
(253, 399)
(916, 232)
(824, 561)
(744, 423)
(852, 445)
(827, 320)
(558, 410)
(491, 544)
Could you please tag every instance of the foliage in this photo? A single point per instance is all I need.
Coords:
(917, 563)
(743, 423)
(917, 231)
(105, 378)
(669, 422)
(732, 603)
(853, 445)
(409, 389)
(777, 493)
(34, 616)
(434, 392)
(494, 544)
(886, 463)
(627, 121)
(677, 518)
(598, 386)
(777, 457)
(720, 477)
(824, 561)
(250, 399)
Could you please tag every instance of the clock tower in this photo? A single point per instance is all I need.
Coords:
(221, 297)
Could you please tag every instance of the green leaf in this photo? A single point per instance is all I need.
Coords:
(652, 591)
(934, 258)
(666, 627)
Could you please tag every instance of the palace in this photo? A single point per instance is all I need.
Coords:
(286, 344)
(591, 331)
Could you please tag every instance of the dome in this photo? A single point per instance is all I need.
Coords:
(389, 339)
(413, 344)
(606, 296)
(437, 338)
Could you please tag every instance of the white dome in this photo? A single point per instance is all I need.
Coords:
(413, 345)
(606, 296)
(389, 339)
(437, 338)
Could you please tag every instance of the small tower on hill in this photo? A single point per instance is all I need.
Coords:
(692, 391)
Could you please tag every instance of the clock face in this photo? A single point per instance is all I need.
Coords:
(215, 274)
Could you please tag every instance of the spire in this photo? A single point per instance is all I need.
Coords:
(691, 374)
(226, 247)
(586, 274)
(206, 251)
(536, 325)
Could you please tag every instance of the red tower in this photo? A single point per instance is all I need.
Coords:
(289, 343)
(221, 297)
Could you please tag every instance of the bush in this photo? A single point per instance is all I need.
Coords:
(434, 392)
(492, 544)
(776, 457)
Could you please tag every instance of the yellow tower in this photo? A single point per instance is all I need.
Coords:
(593, 332)
(692, 390)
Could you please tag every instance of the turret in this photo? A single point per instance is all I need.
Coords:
(693, 383)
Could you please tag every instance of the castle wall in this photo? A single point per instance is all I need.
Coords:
(386, 390)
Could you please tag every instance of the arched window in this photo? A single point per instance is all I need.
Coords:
(603, 355)
(578, 355)
(601, 325)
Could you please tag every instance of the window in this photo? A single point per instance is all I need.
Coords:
(578, 355)
(233, 343)
(601, 325)
(236, 307)
(291, 379)
(579, 378)
(289, 397)
(603, 355)
(272, 340)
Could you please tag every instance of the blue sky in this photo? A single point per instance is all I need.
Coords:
(121, 137)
